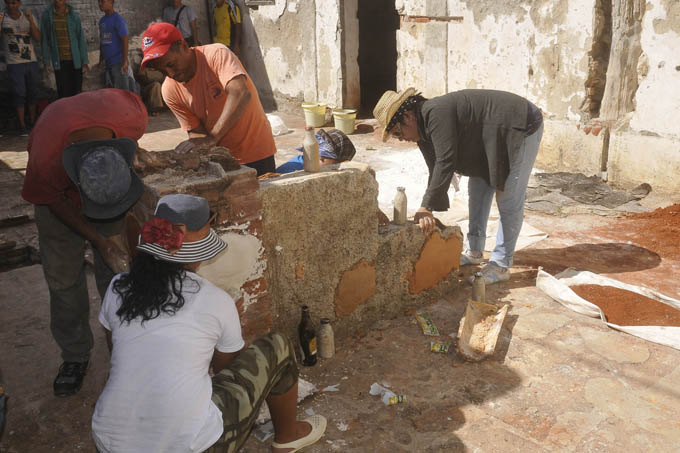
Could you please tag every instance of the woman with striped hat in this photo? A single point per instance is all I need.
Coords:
(166, 326)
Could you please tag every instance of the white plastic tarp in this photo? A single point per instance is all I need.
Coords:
(557, 287)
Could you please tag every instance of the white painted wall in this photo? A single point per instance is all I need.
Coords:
(242, 262)
(658, 96)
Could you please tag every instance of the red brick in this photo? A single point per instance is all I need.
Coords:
(241, 187)
(244, 206)
(255, 287)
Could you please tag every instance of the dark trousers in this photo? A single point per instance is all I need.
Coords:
(266, 165)
(69, 79)
(62, 252)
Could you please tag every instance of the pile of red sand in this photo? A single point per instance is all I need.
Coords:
(627, 308)
(658, 231)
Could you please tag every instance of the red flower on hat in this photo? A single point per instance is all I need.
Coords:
(162, 232)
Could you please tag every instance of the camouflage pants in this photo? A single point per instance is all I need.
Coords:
(266, 367)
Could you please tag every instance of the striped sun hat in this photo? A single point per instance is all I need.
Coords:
(180, 231)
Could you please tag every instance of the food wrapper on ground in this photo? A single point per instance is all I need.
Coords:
(426, 323)
(440, 346)
(388, 396)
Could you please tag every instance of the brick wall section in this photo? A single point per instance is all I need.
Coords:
(234, 197)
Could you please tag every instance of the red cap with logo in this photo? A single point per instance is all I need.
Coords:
(157, 39)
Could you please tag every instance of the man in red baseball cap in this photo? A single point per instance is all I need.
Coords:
(212, 96)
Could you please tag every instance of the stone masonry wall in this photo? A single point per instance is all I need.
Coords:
(324, 250)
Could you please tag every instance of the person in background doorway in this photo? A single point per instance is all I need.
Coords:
(165, 327)
(212, 96)
(491, 136)
(17, 28)
(184, 18)
(334, 147)
(64, 47)
(113, 47)
(228, 25)
(79, 177)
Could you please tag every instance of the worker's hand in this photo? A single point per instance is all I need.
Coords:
(196, 144)
(125, 67)
(425, 220)
(28, 14)
(115, 257)
(86, 68)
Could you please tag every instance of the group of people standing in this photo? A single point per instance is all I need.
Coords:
(64, 47)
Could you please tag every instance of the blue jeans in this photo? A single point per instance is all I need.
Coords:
(510, 203)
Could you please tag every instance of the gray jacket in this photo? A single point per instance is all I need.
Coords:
(471, 132)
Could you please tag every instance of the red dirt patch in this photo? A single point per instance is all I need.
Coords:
(627, 308)
(657, 231)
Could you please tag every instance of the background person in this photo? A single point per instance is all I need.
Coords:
(184, 18)
(63, 46)
(212, 96)
(491, 136)
(166, 326)
(79, 179)
(228, 25)
(113, 47)
(17, 28)
(334, 147)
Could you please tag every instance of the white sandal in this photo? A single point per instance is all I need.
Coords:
(318, 423)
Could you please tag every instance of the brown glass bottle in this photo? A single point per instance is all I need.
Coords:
(307, 338)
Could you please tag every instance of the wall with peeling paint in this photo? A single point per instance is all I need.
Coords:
(332, 258)
(544, 50)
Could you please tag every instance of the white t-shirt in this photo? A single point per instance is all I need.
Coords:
(16, 39)
(158, 395)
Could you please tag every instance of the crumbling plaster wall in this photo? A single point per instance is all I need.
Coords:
(542, 50)
(294, 51)
(323, 250)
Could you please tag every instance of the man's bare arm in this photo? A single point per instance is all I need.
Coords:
(238, 98)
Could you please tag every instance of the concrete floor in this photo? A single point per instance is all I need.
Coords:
(558, 382)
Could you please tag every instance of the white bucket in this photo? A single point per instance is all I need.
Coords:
(315, 114)
(344, 120)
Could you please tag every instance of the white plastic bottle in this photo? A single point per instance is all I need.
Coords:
(311, 151)
(326, 339)
(400, 205)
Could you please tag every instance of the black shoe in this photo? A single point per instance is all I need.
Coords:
(70, 378)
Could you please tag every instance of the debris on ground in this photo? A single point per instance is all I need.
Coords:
(479, 329)
(558, 193)
(388, 397)
(427, 324)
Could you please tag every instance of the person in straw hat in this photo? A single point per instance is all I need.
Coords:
(491, 136)
(165, 327)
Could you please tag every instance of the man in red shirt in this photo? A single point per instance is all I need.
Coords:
(212, 96)
(79, 177)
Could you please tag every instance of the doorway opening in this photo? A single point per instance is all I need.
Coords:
(378, 25)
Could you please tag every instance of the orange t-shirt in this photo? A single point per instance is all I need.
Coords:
(46, 181)
(200, 101)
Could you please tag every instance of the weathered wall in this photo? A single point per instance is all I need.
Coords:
(613, 62)
(323, 250)
(295, 52)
